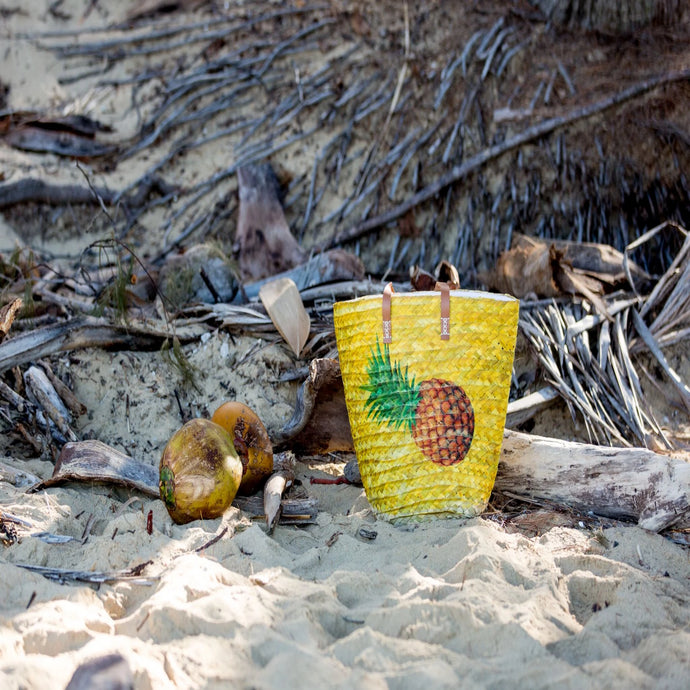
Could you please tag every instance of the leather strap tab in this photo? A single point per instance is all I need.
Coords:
(445, 310)
(386, 313)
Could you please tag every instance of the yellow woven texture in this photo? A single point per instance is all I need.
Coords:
(401, 483)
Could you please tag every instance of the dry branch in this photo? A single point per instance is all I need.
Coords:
(76, 334)
(476, 162)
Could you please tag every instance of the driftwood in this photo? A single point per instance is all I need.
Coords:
(322, 269)
(41, 392)
(15, 476)
(76, 334)
(281, 479)
(293, 511)
(623, 483)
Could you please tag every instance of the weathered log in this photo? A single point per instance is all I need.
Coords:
(622, 483)
(75, 334)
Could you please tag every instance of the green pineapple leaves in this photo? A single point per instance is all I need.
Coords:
(393, 395)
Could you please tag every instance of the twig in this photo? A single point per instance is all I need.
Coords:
(656, 351)
(213, 541)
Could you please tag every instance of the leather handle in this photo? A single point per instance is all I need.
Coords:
(445, 310)
(386, 313)
(388, 291)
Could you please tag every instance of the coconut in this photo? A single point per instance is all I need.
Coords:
(200, 472)
(251, 441)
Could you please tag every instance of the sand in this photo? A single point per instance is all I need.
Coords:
(448, 604)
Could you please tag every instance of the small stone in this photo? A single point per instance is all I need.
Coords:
(367, 534)
(182, 282)
(351, 472)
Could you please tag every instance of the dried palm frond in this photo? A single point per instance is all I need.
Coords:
(588, 359)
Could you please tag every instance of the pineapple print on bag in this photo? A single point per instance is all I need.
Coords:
(436, 412)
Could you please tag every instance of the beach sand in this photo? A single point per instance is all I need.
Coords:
(447, 604)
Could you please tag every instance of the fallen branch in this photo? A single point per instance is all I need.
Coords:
(63, 576)
(23, 191)
(519, 411)
(622, 483)
(30, 189)
(476, 162)
(76, 334)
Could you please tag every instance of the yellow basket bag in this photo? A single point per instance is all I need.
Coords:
(426, 378)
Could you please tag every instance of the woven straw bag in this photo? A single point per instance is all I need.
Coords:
(426, 378)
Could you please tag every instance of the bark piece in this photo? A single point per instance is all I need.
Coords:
(7, 314)
(556, 267)
(94, 460)
(525, 270)
(263, 242)
(293, 511)
(275, 486)
(319, 423)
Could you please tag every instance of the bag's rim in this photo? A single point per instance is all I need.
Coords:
(469, 294)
